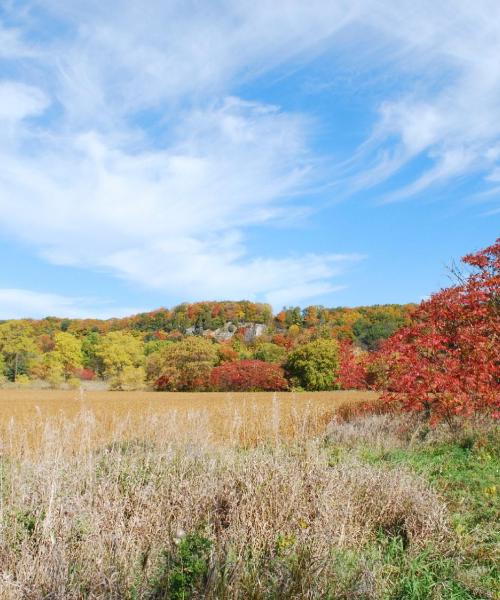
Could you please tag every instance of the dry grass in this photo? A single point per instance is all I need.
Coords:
(27, 416)
(101, 501)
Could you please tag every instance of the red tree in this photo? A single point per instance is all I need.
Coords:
(447, 362)
(248, 375)
(352, 371)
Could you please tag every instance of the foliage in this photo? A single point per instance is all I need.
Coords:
(248, 375)
(90, 354)
(182, 570)
(119, 350)
(352, 371)
(51, 369)
(86, 374)
(16, 344)
(315, 366)
(186, 365)
(370, 330)
(226, 353)
(129, 378)
(447, 361)
(68, 351)
(269, 352)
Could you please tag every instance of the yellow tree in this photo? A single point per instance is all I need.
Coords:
(16, 344)
(122, 355)
(68, 352)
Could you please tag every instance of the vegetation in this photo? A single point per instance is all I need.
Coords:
(377, 507)
(447, 361)
(395, 498)
(315, 365)
(248, 375)
(177, 349)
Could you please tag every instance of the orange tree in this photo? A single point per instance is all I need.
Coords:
(447, 361)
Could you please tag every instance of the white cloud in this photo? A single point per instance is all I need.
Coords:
(170, 207)
(450, 113)
(18, 101)
(172, 219)
(21, 303)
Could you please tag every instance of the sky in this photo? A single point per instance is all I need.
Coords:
(338, 152)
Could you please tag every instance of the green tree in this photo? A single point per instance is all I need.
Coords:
(371, 330)
(16, 344)
(118, 350)
(269, 352)
(90, 355)
(186, 365)
(315, 365)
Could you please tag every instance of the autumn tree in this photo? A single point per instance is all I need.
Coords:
(122, 355)
(68, 351)
(248, 375)
(447, 361)
(315, 365)
(186, 365)
(16, 345)
(90, 352)
(353, 367)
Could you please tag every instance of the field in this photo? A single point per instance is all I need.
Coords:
(241, 496)
(26, 416)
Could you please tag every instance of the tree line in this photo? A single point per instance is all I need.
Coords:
(200, 346)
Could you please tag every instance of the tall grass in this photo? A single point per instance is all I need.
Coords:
(151, 508)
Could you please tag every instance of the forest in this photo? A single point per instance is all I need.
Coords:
(192, 347)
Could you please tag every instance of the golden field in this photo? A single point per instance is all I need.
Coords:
(162, 496)
(27, 416)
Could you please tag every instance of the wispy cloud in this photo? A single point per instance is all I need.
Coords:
(125, 149)
(20, 303)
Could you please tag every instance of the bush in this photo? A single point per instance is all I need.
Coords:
(186, 365)
(182, 571)
(447, 361)
(248, 375)
(86, 374)
(314, 366)
(269, 352)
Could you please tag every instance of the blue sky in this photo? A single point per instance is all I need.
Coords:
(336, 153)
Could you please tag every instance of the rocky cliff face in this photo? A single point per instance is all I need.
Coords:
(251, 331)
(254, 330)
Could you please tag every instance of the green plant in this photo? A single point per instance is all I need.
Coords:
(182, 570)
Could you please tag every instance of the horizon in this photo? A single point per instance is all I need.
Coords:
(335, 154)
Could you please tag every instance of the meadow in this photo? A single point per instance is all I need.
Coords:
(155, 496)
(28, 416)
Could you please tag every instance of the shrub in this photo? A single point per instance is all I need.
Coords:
(86, 374)
(269, 352)
(248, 375)
(447, 361)
(182, 571)
(314, 366)
(186, 365)
(352, 371)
